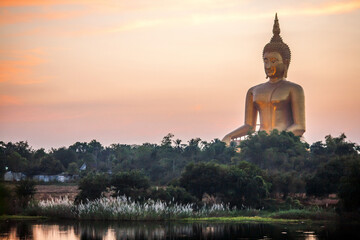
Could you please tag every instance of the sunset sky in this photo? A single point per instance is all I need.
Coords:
(132, 71)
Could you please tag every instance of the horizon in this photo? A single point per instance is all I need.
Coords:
(132, 72)
(49, 149)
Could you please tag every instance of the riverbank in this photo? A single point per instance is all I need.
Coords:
(21, 217)
(285, 216)
(242, 219)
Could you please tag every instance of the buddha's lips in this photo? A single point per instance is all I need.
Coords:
(271, 72)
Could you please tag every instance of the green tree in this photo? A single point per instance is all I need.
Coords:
(192, 150)
(167, 140)
(245, 185)
(65, 156)
(73, 168)
(92, 186)
(172, 194)
(327, 178)
(349, 189)
(50, 165)
(16, 163)
(131, 184)
(331, 160)
(202, 178)
(285, 183)
(217, 150)
(90, 160)
(4, 198)
(238, 185)
(275, 151)
(25, 191)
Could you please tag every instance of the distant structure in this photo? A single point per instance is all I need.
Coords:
(279, 103)
(14, 176)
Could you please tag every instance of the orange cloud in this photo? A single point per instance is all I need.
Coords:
(12, 17)
(134, 4)
(6, 100)
(329, 8)
(203, 18)
(325, 9)
(19, 3)
(17, 68)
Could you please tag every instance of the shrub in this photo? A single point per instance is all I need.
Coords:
(92, 186)
(238, 185)
(132, 184)
(4, 198)
(172, 194)
(25, 191)
(349, 189)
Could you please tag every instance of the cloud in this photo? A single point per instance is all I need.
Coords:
(127, 5)
(6, 100)
(22, 3)
(204, 17)
(326, 9)
(17, 68)
(10, 16)
(129, 26)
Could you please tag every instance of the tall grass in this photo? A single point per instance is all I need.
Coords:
(313, 214)
(122, 208)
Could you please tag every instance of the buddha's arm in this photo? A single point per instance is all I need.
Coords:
(250, 120)
(298, 111)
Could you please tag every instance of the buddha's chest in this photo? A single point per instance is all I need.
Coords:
(271, 96)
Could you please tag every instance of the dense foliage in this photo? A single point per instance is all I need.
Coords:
(264, 165)
(4, 198)
(14, 199)
(169, 158)
(239, 185)
(25, 191)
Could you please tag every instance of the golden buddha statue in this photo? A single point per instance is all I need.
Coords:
(280, 103)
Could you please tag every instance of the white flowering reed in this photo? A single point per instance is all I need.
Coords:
(116, 208)
(218, 209)
(123, 208)
(54, 207)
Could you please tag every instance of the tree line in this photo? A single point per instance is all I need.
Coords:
(168, 158)
(262, 166)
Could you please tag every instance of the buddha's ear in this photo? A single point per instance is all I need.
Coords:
(286, 63)
(285, 70)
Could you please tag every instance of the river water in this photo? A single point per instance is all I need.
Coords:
(71, 230)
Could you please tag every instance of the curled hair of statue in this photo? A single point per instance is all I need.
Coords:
(276, 44)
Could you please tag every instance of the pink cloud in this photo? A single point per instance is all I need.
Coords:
(6, 100)
(17, 67)
(13, 17)
(21, 3)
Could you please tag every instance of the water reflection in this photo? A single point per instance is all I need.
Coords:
(39, 230)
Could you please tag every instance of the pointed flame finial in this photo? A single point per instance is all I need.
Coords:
(276, 28)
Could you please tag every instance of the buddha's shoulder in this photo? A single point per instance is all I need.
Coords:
(285, 84)
(257, 87)
(292, 86)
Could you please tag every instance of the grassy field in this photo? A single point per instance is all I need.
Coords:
(44, 192)
(48, 191)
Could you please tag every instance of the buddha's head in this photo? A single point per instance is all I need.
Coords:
(276, 55)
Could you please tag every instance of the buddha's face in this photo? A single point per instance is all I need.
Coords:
(274, 66)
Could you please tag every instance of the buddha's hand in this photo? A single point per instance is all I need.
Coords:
(227, 140)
